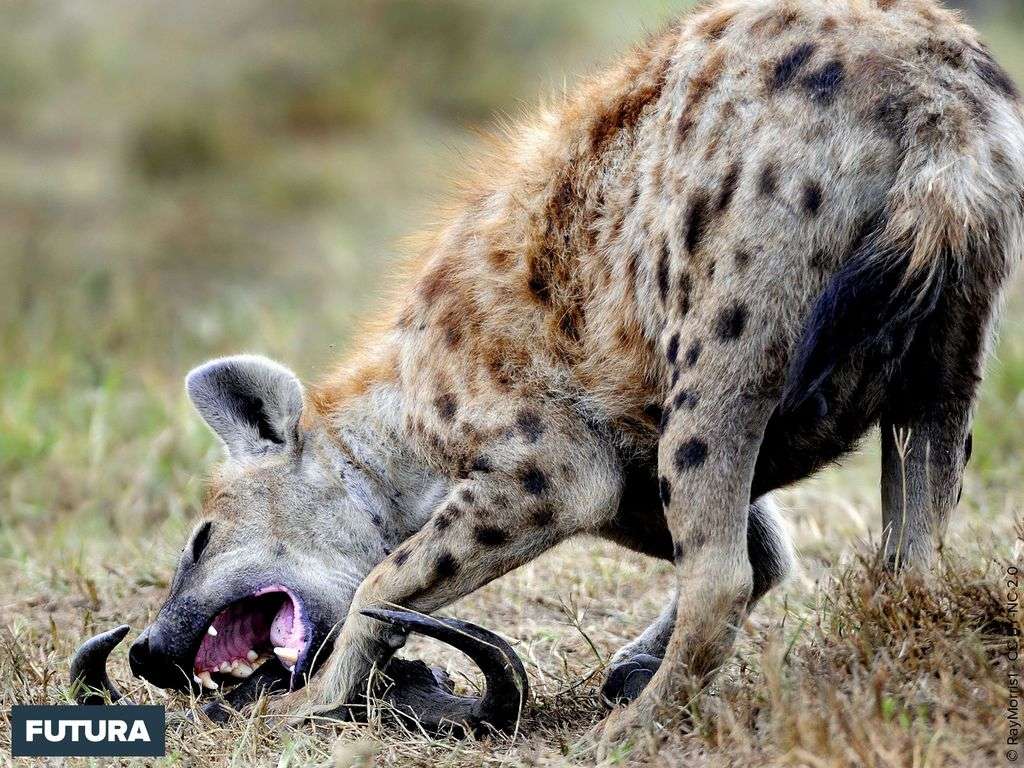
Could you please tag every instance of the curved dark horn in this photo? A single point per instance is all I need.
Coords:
(89, 678)
(89, 667)
(426, 694)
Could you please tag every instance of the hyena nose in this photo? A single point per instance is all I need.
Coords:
(157, 658)
(150, 659)
(140, 655)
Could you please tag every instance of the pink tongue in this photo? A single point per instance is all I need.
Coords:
(281, 633)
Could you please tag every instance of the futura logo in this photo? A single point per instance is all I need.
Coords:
(87, 731)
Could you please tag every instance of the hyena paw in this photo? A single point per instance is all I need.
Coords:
(627, 677)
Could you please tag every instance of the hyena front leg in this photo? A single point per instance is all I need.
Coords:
(771, 559)
(524, 496)
(706, 459)
(926, 438)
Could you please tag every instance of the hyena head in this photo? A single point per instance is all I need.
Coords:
(290, 527)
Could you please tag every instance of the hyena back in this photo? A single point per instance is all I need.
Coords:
(703, 277)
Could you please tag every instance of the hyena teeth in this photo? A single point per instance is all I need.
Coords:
(252, 655)
(197, 679)
(287, 655)
(224, 667)
(241, 669)
(207, 681)
(211, 631)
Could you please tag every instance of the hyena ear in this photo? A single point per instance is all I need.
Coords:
(251, 403)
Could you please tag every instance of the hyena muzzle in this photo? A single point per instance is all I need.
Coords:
(701, 278)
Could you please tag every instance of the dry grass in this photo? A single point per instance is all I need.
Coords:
(845, 666)
(179, 184)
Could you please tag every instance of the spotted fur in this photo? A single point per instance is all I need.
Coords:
(699, 277)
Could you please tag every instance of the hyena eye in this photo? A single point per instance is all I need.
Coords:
(200, 541)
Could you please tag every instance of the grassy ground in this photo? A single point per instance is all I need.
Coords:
(180, 181)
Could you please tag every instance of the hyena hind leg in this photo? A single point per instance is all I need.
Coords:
(771, 558)
(926, 427)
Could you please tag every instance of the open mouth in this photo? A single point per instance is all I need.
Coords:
(248, 632)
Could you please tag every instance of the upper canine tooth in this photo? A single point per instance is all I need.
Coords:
(224, 667)
(287, 655)
(211, 631)
(252, 655)
(241, 669)
(197, 679)
(207, 681)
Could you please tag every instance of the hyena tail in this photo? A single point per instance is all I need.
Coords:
(953, 221)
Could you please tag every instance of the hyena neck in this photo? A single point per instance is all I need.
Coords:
(399, 490)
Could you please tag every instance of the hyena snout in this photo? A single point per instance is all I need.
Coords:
(205, 643)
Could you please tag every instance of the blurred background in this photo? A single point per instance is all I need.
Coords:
(188, 179)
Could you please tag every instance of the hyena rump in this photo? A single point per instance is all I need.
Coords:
(699, 279)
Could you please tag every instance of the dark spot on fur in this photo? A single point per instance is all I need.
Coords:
(442, 521)
(569, 325)
(467, 495)
(401, 557)
(529, 425)
(685, 291)
(768, 182)
(539, 287)
(490, 536)
(665, 491)
(686, 398)
(731, 322)
(696, 539)
(627, 111)
(673, 349)
(452, 336)
(729, 185)
(691, 454)
(891, 113)
(684, 127)
(789, 65)
(501, 259)
(446, 406)
(446, 566)
(812, 198)
(677, 552)
(993, 74)
(824, 84)
(696, 221)
(436, 283)
(742, 259)
(663, 270)
(542, 516)
(533, 480)
(821, 259)
(701, 85)
(693, 354)
(481, 464)
(714, 26)
(632, 267)
(711, 269)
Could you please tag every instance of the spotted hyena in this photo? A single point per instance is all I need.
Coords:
(701, 277)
